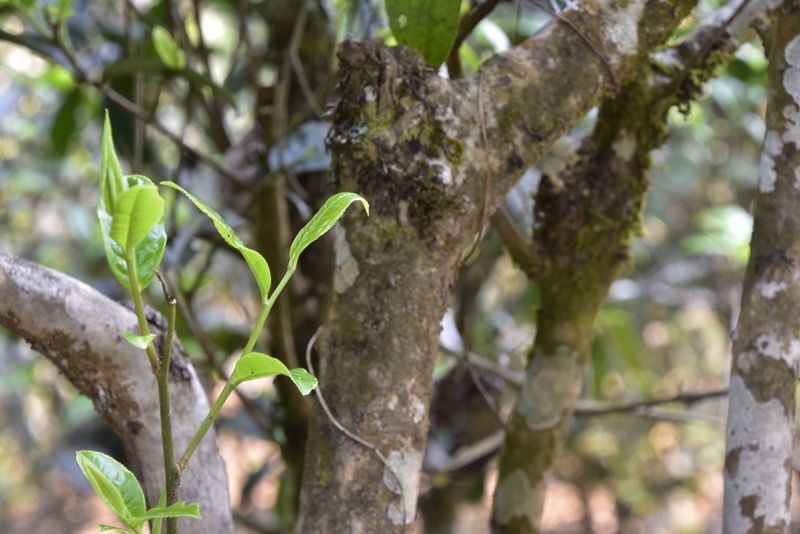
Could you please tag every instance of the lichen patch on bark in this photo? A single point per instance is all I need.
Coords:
(792, 132)
(791, 78)
(346, 271)
(766, 169)
(403, 467)
(622, 28)
(553, 384)
(516, 498)
(757, 446)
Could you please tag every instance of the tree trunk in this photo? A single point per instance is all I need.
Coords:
(766, 341)
(80, 331)
(434, 158)
(584, 222)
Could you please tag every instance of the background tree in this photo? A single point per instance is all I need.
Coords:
(239, 100)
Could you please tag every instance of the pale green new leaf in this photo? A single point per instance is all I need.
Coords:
(179, 509)
(255, 365)
(167, 49)
(111, 181)
(112, 528)
(113, 483)
(136, 212)
(150, 250)
(155, 526)
(427, 26)
(321, 222)
(140, 342)
(258, 265)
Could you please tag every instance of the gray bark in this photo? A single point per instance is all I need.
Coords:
(434, 158)
(80, 331)
(766, 343)
(585, 219)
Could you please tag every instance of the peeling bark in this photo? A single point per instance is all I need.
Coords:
(80, 331)
(584, 221)
(429, 155)
(766, 342)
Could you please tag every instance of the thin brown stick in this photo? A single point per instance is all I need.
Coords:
(586, 409)
(57, 39)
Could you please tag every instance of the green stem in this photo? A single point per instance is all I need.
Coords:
(161, 372)
(230, 386)
(262, 317)
(207, 422)
(170, 469)
(144, 328)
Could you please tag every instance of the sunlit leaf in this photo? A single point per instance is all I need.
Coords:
(112, 528)
(321, 222)
(113, 483)
(136, 212)
(258, 265)
(427, 26)
(167, 49)
(255, 365)
(60, 11)
(150, 250)
(140, 342)
(111, 180)
(179, 509)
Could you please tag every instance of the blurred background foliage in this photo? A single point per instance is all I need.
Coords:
(663, 331)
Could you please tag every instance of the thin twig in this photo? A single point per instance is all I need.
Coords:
(355, 437)
(591, 408)
(485, 174)
(465, 26)
(253, 410)
(171, 474)
(57, 39)
(297, 65)
(517, 378)
(518, 245)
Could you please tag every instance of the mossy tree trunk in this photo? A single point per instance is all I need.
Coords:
(434, 158)
(766, 341)
(584, 220)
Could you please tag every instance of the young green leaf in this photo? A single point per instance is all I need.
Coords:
(60, 11)
(155, 526)
(140, 342)
(258, 265)
(167, 49)
(136, 212)
(111, 181)
(112, 528)
(114, 483)
(427, 26)
(321, 222)
(150, 250)
(255, 365)
(179, 509)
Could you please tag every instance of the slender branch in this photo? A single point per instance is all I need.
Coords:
(518, 245)
(170, 471)
(80, 74)
(229, 385)
(254, 412)
(141, 317)
(592, 408)
(205, 426)
(488, 447)
(465, 26)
